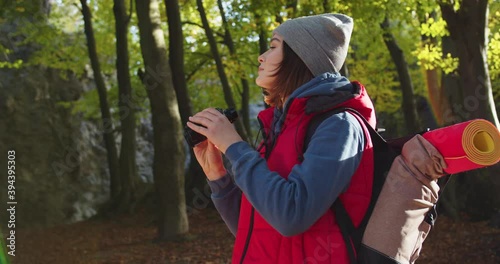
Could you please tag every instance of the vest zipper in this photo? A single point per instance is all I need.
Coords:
(250, 230)
(268, 152)
(264, 136)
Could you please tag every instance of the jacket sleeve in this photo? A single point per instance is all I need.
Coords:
(226, 197)
(292, 206)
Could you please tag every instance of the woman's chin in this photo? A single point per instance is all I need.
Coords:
(267, 100)
(263, 82)
(258, 81)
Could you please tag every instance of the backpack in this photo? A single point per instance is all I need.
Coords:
(359, 250)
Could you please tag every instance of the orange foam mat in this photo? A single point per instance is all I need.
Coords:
(468, 145)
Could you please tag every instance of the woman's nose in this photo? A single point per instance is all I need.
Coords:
(261, 58)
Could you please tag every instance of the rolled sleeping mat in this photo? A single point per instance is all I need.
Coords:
(466, 146)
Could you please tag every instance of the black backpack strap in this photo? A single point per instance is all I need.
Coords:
(318, 119)
(314, 124)
(346, 228)
(431, 216)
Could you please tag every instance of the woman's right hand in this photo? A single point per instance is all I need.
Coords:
(210, 159)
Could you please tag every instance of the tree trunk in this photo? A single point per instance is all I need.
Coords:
(467, 27)
(168, 163)
(477, 193)
(228, 94)
(245, 94)
(263, 39)
(434, 92)
(409, 108)
(451, 200)
(425, 113)
(176, 56)
(451, 89)
(128, 166)
(107, 123)
(327, 8)
(262, 30)
(291, 9)
(195, 178)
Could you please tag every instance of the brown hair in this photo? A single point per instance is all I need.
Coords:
(291, 74)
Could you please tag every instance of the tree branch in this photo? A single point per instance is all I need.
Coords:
(197, 68)
(201, 26)
(192, 23)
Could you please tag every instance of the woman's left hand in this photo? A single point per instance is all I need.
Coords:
(216, 127)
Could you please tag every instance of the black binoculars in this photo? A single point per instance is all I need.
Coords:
(194, 138)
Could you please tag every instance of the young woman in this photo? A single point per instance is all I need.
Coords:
(276, 199)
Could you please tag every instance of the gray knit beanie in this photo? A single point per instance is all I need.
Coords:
(321, 41)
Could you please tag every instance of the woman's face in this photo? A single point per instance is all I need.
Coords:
(270, 62)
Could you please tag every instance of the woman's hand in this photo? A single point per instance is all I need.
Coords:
(216, 127)
(210, 160)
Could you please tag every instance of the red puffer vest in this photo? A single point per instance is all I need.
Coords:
(257, 241)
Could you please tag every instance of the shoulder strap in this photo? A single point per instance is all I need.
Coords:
(318, 119)
(351, 235)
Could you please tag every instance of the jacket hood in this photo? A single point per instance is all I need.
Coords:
(323, 84)
(324, 92)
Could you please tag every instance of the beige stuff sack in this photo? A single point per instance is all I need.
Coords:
(396, 229)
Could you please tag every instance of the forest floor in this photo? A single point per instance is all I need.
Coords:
(130, 239)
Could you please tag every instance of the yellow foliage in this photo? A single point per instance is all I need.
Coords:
(431, 56)
(434, 28)
(12, 65)
(494, 56)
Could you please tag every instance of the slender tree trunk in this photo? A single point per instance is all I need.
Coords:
(176, 57)
(107, 123)
(245, 94)
(327, 8)
(409, 108)
(168, 163)
(451, 89)
(228, 94)
(290, 6)
(195, 179)
(261, 27)
(425, 113)
(128, 166)
(467, 27)
(255, 7)
(263, 38)
(434, 92)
